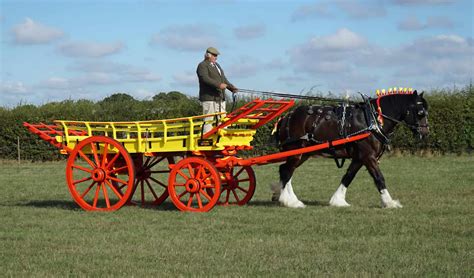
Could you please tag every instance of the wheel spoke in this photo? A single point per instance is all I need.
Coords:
(248, 179)
(199, 200)
(227, 195)
(104, 154)
(86, 159)
(151, 189)
(208, 175)
(112, 161)
(238, 173)
(158, 182)
(182, 194)
(182, 175)
(199, 173)
(190, 201)
(114, 189)
(116, 170)
(142, 192)
(155, 162)
(160, 172)
(81, 180)
(203, 192)
(81, 168)
(235, 195)
(94, 152)
(145, 165)
(106, 196)
(241, 189)
(88, 189)
(96, 197)
(117, 180)
(191, 171)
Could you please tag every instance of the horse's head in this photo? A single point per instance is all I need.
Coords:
(417, 115)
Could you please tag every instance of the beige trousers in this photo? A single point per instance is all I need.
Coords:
(211, 107)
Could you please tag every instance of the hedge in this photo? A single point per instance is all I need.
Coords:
(451, 119)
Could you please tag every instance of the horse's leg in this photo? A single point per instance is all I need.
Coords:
(338, 199)
(374, 170)
(287, 195)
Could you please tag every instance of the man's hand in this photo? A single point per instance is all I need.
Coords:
(222, 86)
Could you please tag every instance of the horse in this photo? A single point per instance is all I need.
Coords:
(315, 124)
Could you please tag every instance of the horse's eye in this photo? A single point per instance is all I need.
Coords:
(421, 113)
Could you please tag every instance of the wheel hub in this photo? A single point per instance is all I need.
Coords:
(98, 175)
(144, 174)
(193, 185)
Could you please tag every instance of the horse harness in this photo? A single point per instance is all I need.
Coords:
(343, 112)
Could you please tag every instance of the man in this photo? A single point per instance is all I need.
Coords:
(212, 85)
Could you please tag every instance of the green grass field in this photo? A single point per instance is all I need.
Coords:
(44, 233)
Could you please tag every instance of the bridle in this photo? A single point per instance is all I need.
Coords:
(417, 127)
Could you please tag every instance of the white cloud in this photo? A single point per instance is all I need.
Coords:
(308, 11)
(343, 40)
(413, 24)
(422, 2)
(187, 79)
(90, 49)
(429, 62)
(56, 83)
(362, 9)
(244, 67)
(276, 64)
(249, 32)
(121, 72)
(292, 80)
(331, 53)
(13, 88)
(187, 37)
(31, 32)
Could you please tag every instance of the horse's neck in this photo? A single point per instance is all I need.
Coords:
(393, 107)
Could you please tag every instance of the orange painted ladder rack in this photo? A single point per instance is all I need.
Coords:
(261, 110)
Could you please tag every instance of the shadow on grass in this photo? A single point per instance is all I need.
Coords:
(269, 203)
(62, 204)
(166, 206)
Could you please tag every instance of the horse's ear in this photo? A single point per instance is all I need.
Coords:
(415, 93)
(421, 95)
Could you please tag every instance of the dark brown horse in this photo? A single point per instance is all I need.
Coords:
(310, 125)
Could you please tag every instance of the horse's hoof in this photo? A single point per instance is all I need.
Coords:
(339, 204)
(392, 204)
(295, 204)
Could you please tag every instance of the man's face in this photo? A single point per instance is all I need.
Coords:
(212, 58)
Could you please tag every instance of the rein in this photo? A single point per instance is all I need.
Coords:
(293, 96)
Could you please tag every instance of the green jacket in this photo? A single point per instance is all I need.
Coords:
(209, 81)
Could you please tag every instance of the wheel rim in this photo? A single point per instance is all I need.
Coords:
(100, 174)
(151, 180)
(238, 186)
(190, 181)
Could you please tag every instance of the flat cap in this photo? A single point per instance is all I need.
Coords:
(212, 50)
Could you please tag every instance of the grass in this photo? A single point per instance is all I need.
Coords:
(44, 233)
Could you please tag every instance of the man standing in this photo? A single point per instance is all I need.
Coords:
(212, 85)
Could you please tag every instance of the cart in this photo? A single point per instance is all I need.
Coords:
(112, 164)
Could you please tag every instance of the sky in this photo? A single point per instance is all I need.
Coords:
(80, 49)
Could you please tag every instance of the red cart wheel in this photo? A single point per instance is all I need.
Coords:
(100, 174)
(238, 186)
(190, 181)
(151, 179)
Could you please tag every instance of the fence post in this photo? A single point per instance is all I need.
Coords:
(18, 148)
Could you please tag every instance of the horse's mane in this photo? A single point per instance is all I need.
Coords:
(394, 91)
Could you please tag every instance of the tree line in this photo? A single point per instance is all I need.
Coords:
(451, 120)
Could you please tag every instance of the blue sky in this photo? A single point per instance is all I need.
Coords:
(61, 49)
